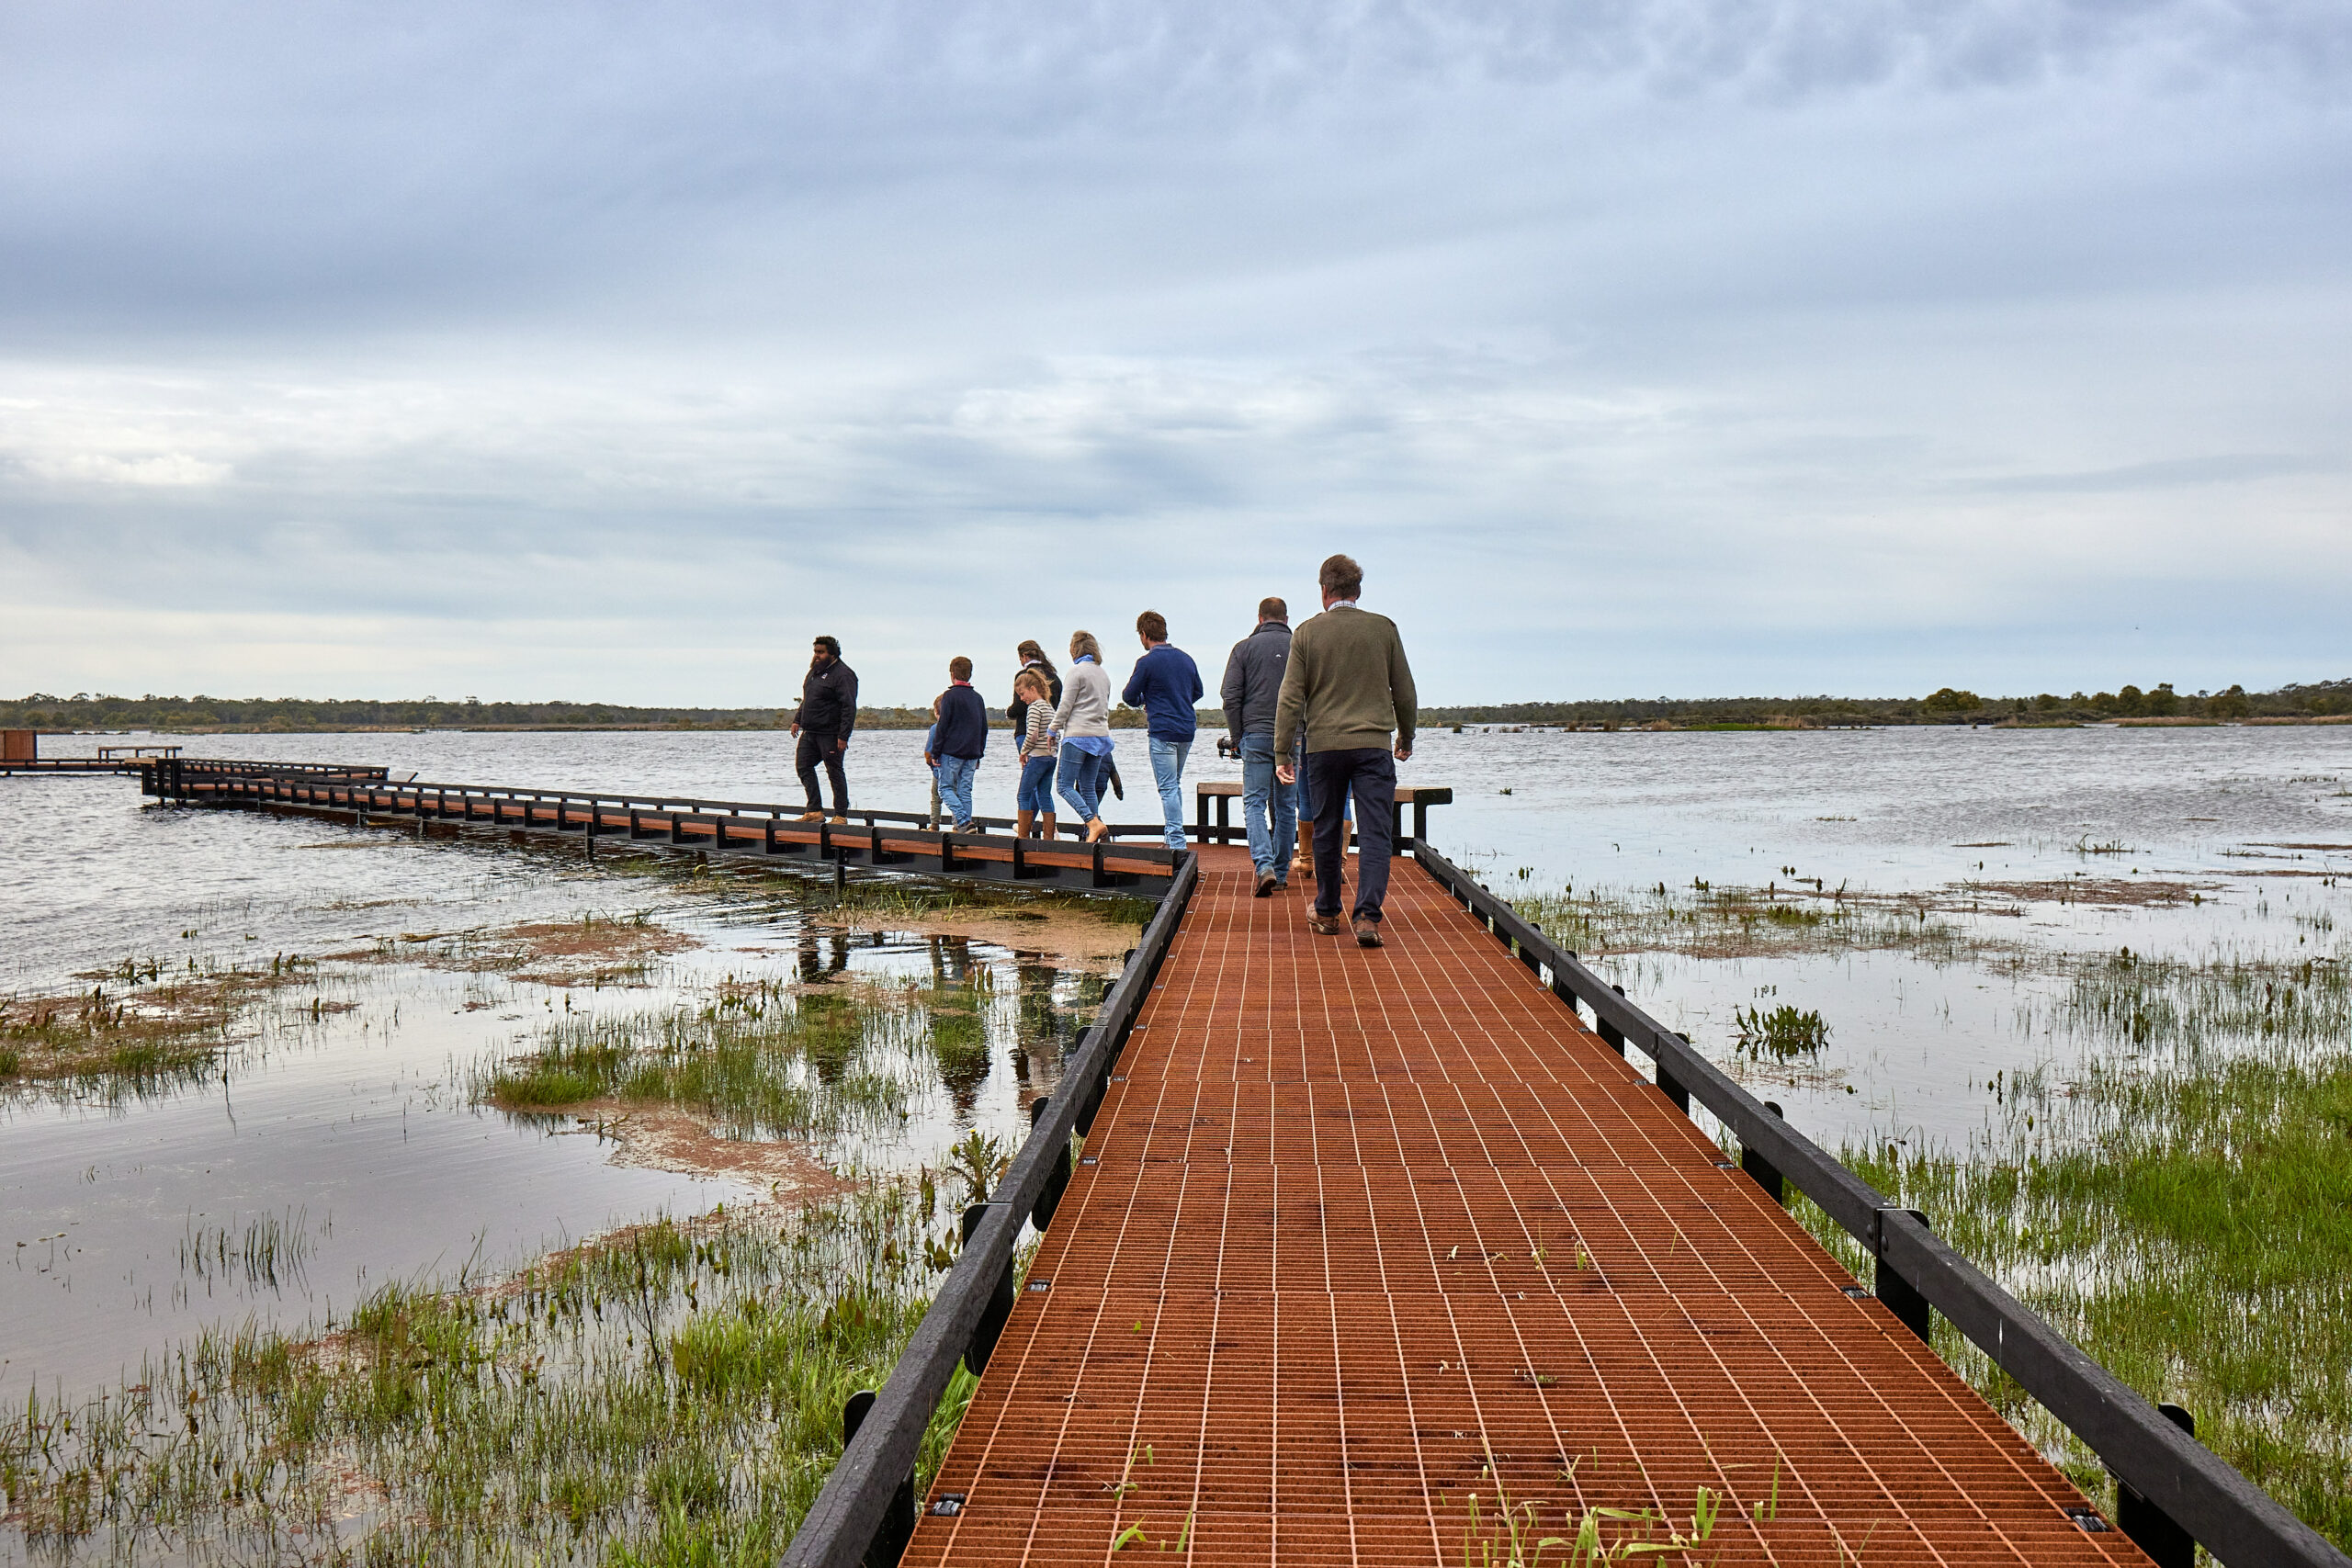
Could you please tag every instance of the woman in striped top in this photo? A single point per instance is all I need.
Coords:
(1035, 803)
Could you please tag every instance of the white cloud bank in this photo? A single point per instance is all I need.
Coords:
(1692, 347)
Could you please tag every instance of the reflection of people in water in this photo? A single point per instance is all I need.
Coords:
(822, 956)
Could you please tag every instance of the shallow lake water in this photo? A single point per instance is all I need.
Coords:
(356, 1130)
(348, 1138)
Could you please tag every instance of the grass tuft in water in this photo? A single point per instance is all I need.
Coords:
(670, 1395)
(766, 1063)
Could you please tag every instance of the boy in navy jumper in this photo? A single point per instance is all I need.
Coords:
(1165, 684)
(958, 740)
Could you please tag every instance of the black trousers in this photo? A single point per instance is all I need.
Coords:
(1370, 774)
(813, 749)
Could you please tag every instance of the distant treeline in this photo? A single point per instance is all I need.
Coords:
(201, 714)
(1946, 705)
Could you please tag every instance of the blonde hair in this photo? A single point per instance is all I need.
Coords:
(1084, 643)
(1030, 681)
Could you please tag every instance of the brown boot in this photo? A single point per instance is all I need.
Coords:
(1021, 823)
(1046, 826)
(1302, 864)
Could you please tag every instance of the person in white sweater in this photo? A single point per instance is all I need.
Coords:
(1083, 721)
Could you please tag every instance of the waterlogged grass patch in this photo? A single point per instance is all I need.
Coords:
(765, 1061)
(597, 948)
(2188, 1221)
(141, 1024)
(671, 1394)
(1774, 922)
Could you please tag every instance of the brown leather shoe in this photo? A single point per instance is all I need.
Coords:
(1325, 925)
(1367, 934)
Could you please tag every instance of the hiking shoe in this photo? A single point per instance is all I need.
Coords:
(1325, 925)
(812, 817)
(1367, 934)
(1266, 884)
(841, 821)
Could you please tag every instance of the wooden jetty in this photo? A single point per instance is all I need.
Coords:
(1354, 1237)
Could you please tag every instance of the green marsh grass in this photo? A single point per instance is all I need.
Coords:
(2181, 1208)
(768, 1062)
(671, 1395)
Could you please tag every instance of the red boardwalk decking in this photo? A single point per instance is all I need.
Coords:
(1364, 1233)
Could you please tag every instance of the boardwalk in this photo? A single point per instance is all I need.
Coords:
(1359, 1235)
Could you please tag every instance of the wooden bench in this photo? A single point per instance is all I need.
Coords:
(1225, 792)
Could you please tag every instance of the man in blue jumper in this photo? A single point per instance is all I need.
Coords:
(958, 740)
(1165, 684)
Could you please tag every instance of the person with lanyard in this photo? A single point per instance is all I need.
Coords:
(1083, 719)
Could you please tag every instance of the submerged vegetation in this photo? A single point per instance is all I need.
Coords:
(1772, 921)
(142, 1023)
(672, 1394)
(2180, 1206)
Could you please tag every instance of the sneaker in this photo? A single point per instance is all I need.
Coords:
(1367, 934)
(1265, 885)
(1325, 925)
(966, 827)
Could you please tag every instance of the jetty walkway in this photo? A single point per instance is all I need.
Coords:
(1360, 1235)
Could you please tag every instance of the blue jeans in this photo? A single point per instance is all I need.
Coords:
(1370, 775)
(1037, 785)
(955, 786)
(1167, 770)
(1270, 843)
(1080, 781)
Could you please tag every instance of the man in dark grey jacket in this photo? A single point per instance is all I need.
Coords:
(827, 714)
(1254, 679)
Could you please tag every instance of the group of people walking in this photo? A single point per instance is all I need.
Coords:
(1322, 716)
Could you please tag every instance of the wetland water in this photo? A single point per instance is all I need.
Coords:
(1951, 903)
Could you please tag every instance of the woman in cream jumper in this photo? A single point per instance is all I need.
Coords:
(1083, 721)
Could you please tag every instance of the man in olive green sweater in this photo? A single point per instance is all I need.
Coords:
(1347, 682)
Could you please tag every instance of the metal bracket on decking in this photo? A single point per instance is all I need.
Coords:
(2174, 1481)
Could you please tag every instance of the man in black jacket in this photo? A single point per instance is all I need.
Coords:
(1254, 679)
(828, 713)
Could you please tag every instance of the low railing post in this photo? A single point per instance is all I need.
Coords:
(1672, 1087)
(1611, 1036)
(1761, 1170)
(897, 1526)
(1000, 1308)
(2152, 1530)
(1041, 1213)
(1901, 1296)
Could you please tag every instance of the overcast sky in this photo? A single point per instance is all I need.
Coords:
(1696, 347)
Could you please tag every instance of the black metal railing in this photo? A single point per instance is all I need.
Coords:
(867, 1508)
(2173, 1492)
